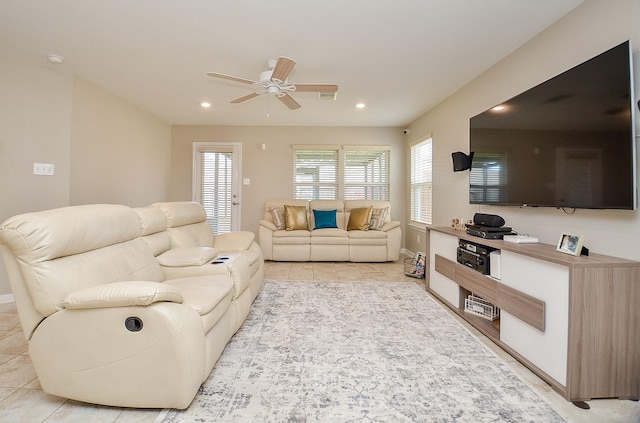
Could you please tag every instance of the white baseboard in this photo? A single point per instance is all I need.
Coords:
(407, 252)
(6, 298)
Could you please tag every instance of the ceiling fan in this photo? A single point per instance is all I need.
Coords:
(274, 82)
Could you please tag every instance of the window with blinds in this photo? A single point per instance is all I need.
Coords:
(366, 173)
(216, 177)
(315, 174)
(347, 172)
(487, 178)
(421, 182)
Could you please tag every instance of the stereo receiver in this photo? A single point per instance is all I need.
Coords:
(475, 256)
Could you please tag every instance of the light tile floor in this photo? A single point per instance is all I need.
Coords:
(22, 399)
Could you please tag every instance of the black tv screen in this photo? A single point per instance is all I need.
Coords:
(568, 142)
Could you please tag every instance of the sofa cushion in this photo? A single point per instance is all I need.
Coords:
(203, 293)
(325, 219)
(277, 214)
(291, 237)
(359, 219)
(378, 218)
(210, 296)
(367, 238)
(295, 218)
(329, 233)
(187, 256)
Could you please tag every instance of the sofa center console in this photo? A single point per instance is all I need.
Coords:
(570, 319)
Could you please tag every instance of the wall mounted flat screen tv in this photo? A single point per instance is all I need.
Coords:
(568, 142)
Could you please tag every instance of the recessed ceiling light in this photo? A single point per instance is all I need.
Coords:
(360, 106)
(55, 59)
(205, 104)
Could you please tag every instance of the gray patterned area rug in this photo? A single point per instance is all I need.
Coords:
(354, 352)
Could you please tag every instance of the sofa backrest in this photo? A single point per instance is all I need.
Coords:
(153, 227)
(52, 253)
(187, 224)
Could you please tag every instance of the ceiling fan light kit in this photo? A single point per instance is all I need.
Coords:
(274, 82)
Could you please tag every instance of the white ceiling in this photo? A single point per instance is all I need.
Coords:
(400, 57)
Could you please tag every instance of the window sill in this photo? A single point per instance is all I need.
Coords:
(420, 227)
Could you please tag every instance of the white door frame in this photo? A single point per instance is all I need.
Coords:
(236, 150)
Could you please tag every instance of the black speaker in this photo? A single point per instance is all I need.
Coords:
(461, 161)
(491, 220)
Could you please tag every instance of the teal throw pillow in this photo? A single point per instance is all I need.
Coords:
(325, 219)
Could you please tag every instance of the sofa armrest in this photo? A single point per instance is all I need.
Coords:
(122, 294)
(187, 256)
(390, 225)
(268, 225)
(234, 241)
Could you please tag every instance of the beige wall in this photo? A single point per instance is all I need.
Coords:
(35, 126)
(119, 153)
(591, 29)
(103, 149)
(271, 170)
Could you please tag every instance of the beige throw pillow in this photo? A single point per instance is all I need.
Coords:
(295, 218)
(378, 217)
(277, 214)
(359, 219)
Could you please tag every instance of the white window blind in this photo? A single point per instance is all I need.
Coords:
(346, 172)
(421, 182)
(366, 173)
(315, 173)
(215, 170)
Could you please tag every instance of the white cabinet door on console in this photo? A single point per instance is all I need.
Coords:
(445, 246)
(548, 282)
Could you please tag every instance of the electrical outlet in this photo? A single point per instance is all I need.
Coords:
(43, 169)
(418, 239)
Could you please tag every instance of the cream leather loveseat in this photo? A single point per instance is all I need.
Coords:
(338, 236)
(106, 323)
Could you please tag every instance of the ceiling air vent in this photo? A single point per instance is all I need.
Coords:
(327, 96)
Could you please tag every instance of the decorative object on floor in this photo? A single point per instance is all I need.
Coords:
(341, 351)
(414, 267)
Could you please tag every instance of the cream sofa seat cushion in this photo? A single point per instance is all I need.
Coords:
(291, 237)
(367, 238)
(187, 256)
(209, 296)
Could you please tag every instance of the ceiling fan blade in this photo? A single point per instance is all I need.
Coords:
(316, 88)
(245, 98)
(231, 78)
(283, 68)
(289, 102)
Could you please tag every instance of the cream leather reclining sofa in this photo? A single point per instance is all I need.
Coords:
(105, 321)
(374, 239)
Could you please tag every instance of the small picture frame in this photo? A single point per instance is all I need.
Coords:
(570, 244)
